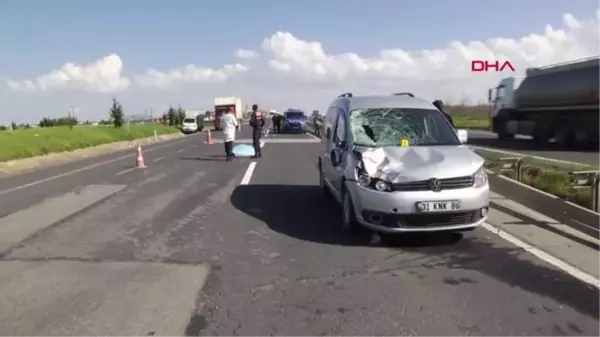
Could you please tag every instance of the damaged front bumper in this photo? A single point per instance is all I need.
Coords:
(396, 212)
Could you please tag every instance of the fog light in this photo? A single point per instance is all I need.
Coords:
(375, 218)
(484, 212)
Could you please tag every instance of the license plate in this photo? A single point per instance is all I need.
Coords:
(438, 206)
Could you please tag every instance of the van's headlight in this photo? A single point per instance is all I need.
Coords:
(480, 177)
(366, 181)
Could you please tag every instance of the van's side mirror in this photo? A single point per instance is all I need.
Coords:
(463, 135)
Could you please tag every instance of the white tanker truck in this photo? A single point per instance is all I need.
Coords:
(554, 102)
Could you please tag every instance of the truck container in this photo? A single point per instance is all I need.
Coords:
(557, 102)
(223, 104)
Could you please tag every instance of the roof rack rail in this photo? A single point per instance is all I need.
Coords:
(348, 94)
(404, 94)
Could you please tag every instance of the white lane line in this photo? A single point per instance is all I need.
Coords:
(180, 150)
(158, 159)
(542, 255)
(248, 174)
(125, 171)
(41, 181)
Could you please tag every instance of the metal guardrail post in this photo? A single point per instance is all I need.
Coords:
(588, 179)
(513, 164)
(595, 191)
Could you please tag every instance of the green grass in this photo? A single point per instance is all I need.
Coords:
(465, 122)
(24, 143)
(469, 117)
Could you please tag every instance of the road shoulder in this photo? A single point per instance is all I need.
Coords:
(540, 232)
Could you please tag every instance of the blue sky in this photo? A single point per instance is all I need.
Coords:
(39, 36)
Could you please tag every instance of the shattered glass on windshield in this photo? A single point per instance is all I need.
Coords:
(392, 126)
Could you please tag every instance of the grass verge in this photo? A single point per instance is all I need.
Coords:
(548, 176)
(25, 143)
(466, 122)
(475, 117)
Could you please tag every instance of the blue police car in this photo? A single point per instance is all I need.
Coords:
(294, 121)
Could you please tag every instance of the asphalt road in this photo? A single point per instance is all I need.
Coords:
(183, 247)
(525, 145)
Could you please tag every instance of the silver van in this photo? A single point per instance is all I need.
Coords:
(396, 165)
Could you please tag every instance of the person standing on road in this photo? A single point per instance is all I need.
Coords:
(274, 122)
(440, 105)
(229, 124)
(257, 122)
(277, 120)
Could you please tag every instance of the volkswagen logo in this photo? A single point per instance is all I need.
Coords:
(434, 185)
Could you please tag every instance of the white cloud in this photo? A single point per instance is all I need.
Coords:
(440, 72)
(246, 54)
(301, 73)
(189, 74)
(103, 75)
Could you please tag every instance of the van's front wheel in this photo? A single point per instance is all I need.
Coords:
(349, 223)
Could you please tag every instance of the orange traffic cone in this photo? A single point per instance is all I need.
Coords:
(139, 163)
(209, 140)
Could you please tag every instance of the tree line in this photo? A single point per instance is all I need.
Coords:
(116, 117)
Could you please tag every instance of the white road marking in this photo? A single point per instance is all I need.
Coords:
(248, 174)
(542, 255)
(180, 150)
(41, 181)
(158, 159)
(125, 171)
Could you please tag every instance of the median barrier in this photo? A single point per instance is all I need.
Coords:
(561, 190)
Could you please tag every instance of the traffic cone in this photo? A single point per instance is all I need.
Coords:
(139, 163)
(209, 140)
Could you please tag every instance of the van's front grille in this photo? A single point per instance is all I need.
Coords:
(437, 220)
(446, 184)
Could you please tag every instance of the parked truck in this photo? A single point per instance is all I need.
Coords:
(222, 105)
(557, 102)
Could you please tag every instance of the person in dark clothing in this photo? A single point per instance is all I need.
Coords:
(257, 122)
(278, 119)
(440, 106)
(274, 120)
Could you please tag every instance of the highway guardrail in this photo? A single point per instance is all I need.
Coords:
(577, 183)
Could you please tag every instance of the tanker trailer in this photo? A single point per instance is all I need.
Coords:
(557, 102)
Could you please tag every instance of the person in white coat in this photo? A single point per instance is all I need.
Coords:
(229, 124)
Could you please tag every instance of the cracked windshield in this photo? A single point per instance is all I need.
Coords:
(388, 126)
(299, 168)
